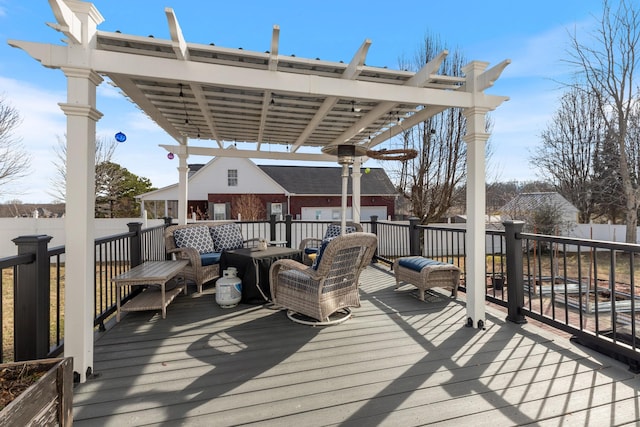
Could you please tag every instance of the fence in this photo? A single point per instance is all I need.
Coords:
(32, 288)
(584, 287)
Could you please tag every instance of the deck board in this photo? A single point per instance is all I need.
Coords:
(398, 361)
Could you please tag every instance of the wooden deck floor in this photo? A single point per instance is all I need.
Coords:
(398, 362)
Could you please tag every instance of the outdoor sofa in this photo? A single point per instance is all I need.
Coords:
(202, 243)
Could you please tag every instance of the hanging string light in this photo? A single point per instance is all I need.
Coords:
(184, 105)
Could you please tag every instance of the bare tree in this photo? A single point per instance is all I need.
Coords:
(429, 181)
(568, 150)
(15, 162)
(105, 149)
(498, 194)
(248, 206)
(607, 184)
(607, 65)
(541, 212)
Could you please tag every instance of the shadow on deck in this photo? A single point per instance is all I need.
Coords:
(397, 362)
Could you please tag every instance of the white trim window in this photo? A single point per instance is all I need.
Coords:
(232, 177)
(219, 211)
(276, 209)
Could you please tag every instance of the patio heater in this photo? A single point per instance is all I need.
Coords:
(346, 154)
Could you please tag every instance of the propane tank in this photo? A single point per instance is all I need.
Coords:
(229, 288)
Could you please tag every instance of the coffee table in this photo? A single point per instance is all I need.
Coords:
(155, 273)
(253, 268)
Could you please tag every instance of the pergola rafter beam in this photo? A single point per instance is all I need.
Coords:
(350, 73)
(273, 53)
(488, 78)
(68, 22)
(408, 123)
(291, 83)
(198, 94)
(267, 96)
(250, 154)
(418, 80)
(266, 103)
(138, 98)
(177, 39)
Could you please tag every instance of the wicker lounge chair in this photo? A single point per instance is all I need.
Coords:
(329, 287)
(312, 245)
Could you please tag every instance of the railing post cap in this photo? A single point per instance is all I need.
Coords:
(134, 226)
(35, 238)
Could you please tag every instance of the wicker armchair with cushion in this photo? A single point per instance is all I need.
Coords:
(312, 245)
(329, 286)
(202, 243)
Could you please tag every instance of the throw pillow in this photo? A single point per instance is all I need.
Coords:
(316, 262)
(197, 237)
(334, 230)
(226, 237)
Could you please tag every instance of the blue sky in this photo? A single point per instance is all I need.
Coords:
(534, 35)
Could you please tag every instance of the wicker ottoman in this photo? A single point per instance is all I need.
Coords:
(425, 273)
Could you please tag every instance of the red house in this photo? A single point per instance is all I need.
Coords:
(217, 189)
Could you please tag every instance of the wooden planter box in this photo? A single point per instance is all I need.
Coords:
(49, 401)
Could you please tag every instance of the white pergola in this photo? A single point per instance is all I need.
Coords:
(206, 95)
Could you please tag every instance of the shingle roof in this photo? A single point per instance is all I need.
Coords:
(327, 180)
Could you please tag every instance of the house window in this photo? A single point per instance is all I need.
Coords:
(276, 209)
(219, 211)
(232, 177)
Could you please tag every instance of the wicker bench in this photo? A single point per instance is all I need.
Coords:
(425, 273)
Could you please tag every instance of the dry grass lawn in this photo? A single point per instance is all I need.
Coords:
(8, 310)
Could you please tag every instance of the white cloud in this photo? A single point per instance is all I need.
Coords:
(541, 54)
(518, 124)
(42, 123)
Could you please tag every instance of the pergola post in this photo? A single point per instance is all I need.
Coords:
(475, 138)
(356, 176)
(79, 217)
(183, 185)
(475, 278)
